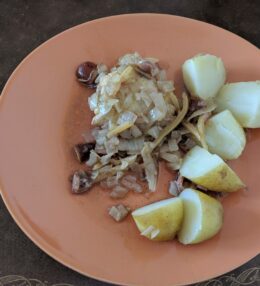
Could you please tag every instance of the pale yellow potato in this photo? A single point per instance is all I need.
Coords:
(224, 136)
(243, 100)
(161, 220)
(204, 75)
(203, 217)
(209, 171)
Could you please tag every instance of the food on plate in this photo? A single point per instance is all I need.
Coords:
(194, 216)
(176, 186)
(119, 192)
(160, 220)
(118, 212)
(224, 135)
(204, 75)
(87, 73)
(243, 100)
(209, 171)
(138, 121)
(135, 112)
(81, 182)
(203, 217)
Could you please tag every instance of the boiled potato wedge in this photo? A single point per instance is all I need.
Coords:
(224, 136)
(161, 220)
(204, 75)
(209, 171)
(203, 217)
(243, 100)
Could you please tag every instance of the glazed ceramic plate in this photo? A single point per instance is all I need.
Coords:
(43, 113)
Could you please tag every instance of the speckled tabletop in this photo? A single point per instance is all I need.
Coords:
(25, 24)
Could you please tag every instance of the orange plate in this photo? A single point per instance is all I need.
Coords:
(43, 112)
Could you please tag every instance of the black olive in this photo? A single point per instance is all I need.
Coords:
(82, 151)
(87, 73)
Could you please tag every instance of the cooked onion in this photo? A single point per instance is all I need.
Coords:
(93, 158)
(130, 178)
(165, 85)
(126, 134)
(135, 131)
(118, 192)
(118, 212)
(112, 145)
(135, 144)
(93, 101)
(173, 145)
(126, 116)
(176, 187)
(154, 131)
(130, 183)
(110, 182)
